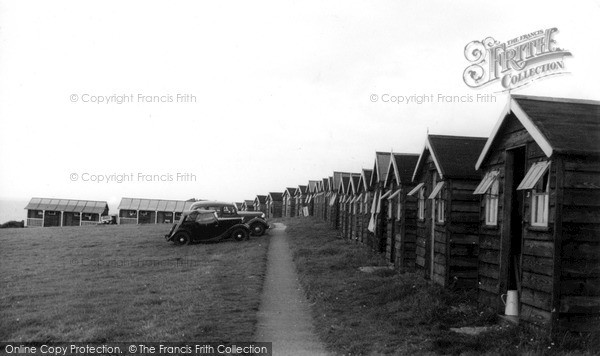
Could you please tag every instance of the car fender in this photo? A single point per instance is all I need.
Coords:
(258, 219)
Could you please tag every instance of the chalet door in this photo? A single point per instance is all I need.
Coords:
(432, 244)
(515, 172)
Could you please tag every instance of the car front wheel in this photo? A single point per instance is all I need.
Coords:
(182, 238)
(240, 234)
(258, 229)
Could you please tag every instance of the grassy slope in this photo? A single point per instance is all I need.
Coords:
(123, 283)
(391, 313)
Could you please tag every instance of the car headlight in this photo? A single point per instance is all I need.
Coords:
(263, 215)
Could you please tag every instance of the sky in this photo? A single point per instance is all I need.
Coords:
(279, 92)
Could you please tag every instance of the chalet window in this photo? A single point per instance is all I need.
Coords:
(540, 201)
(537, 179)
(438, 202)
(490, 186)
(420, 189)
(421, 204)
(491, 204)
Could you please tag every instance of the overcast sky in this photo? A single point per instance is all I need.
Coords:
(283, 89)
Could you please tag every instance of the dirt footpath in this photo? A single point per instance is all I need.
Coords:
(284, 316)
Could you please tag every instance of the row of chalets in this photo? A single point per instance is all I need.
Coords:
(518, 211)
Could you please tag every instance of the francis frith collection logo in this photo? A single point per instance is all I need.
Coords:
(516, 62)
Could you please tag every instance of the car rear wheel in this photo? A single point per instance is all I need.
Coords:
(258, 229)
(182, 238)
(240, 234)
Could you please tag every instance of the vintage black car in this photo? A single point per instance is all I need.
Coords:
(255, 219)
(205, 226)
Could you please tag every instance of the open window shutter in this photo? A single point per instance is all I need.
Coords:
(533, 176)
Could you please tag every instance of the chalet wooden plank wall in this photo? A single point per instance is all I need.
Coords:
(447, 213)
(274, 203)
(260, 203)
(402, 211)
(540, 212)
(519, 210)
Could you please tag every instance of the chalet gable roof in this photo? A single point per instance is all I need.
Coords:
(313, 186)
(567, 126)
(401, 167)
(275, 196)
(454, 156)
(382, 161)
(365, 179)
(301, 190)
(354, 182)
(289, 191)
(260, 199)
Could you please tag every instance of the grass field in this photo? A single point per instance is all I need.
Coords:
(126, 283)
(386, 312)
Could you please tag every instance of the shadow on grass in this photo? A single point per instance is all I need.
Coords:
(388, 312)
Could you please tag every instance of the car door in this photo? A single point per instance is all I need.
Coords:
(228, 217)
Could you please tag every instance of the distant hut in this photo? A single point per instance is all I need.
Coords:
(151, 211)
(274, 205)
(334, 200)
(46, 212)
(260, 203)
(312, 192)
(365, 192)
(248, 205)
(378, 223)
(239, 206)
(300, 200)
(402, 212)
(289, 203)
(540, 212)
(319, 200)
(352, 207)
(447, 214)
(343, 197)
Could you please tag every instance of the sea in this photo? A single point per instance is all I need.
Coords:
(13, 210)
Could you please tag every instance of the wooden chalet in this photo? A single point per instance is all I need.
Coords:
(352, 207)
(151, 211)
(378, 222)
(402, 211)
(46, 212)
(274, 204)
(540, 212)
(447, 214)
(248, 205)
(289, 202)
(300, 199)
(344, 197)
(334, 199)
(365, 192)
(260, 203)
(313, 189)
(321, 199)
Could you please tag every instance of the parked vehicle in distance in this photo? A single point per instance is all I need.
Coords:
(205, 226)
(108, 220)
(256, 220)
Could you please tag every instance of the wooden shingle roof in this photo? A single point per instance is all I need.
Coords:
(567, 126)
(276, 196)
(454, 156)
